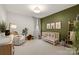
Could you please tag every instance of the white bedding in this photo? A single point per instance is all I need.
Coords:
(4, 40)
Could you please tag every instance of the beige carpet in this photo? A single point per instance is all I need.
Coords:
(39, 47)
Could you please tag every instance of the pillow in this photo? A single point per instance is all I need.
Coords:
(14, 33)
(53, 34)
(56, 35)
(49, 35)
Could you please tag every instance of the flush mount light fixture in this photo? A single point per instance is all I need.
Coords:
(37, 10)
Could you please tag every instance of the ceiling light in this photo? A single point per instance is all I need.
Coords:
(36, 10)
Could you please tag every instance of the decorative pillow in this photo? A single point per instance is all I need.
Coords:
(53, 34)
(46, 35)
(49, 35)
(56, 35)
(14, 33)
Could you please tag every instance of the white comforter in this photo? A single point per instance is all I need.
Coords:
(4, 40)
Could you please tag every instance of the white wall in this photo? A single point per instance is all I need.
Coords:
(21, 21)
(2, 13)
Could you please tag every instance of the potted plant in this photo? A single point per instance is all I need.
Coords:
(24, 31)
(2, 27)
(76, 42)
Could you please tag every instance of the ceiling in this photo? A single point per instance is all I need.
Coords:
(45, 9)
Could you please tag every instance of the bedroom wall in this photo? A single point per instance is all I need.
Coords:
(2, 13)
(21, 22)
(62, 16)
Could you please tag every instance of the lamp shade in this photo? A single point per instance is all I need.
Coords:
(13, 26)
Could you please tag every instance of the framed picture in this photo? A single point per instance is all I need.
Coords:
(48, 26)
(52, 25)
(58, 25)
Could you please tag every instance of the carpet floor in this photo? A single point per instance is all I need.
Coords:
(40, 47)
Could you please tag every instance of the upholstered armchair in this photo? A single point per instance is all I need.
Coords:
(18, 40)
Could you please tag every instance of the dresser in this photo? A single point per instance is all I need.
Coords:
(6, 46)
(7, 49)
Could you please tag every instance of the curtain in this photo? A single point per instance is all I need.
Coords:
(37, 29)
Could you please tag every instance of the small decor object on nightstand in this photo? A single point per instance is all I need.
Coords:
(7, 32)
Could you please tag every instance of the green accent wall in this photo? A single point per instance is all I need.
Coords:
(62, 16)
